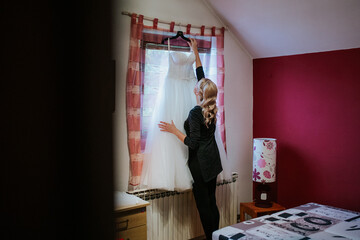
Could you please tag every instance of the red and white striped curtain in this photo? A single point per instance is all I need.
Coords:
(213, 64)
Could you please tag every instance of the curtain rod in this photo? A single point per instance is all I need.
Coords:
(167, 22)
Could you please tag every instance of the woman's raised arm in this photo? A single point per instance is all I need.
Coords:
(199, 69)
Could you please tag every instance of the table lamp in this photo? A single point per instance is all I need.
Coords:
(264, 170)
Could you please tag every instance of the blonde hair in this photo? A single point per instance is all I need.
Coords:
(208, 94)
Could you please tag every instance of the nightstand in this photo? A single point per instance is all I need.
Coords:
(131, 222)
(250, 209)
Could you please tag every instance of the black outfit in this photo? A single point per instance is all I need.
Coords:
(205, 165)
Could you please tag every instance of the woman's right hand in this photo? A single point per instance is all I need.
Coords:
(193, 44)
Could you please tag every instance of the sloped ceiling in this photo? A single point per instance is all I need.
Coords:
(269, 28)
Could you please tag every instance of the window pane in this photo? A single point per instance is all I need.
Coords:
(156, 67)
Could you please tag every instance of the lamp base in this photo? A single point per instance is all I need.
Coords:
(263, 196)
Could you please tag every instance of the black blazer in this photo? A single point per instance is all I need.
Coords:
(201, 141)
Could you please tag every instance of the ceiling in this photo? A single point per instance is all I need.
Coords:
(269, 28)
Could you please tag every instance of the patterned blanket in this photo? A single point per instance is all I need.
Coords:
(305, 222)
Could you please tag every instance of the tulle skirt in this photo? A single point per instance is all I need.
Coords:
(165, 159)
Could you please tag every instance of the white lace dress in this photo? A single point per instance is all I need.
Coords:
(165, 162)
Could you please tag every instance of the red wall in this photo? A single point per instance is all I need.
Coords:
(311, 104)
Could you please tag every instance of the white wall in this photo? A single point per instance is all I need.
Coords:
(238, 84)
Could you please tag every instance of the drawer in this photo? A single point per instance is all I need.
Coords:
(130, 220)
(138, 233)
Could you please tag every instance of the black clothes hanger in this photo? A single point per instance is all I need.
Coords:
(178, 34)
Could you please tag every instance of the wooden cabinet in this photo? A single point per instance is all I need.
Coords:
(131, 222)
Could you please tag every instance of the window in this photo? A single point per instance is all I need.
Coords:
(155, 70)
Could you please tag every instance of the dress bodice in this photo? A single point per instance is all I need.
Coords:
(181, 65)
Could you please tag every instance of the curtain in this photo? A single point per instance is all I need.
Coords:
(133, 99)
(140, 96)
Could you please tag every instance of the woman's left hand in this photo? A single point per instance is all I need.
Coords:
(167, 127)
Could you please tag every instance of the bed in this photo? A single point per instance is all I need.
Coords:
(305, 222)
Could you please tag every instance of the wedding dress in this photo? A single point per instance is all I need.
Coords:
(165, 157)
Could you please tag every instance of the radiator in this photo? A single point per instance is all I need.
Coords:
(173, 215)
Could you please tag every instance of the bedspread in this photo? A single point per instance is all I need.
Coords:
(305, 222)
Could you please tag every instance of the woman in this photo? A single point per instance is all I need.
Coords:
(204, 159)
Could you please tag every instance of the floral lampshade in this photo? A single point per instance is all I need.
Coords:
(264, 160)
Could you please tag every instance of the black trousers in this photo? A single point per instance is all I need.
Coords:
(204, 194)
